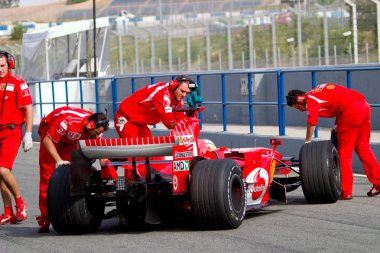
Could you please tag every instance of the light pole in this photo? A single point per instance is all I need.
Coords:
(94, 33)
(188, 47)
(160, 11)
(354, 28)
(346, 34)
(250, 36)
(377, 2)
(274, 44)
(299, 34)
(291, 43)
(325, 33)
(229, 46)
(170, 60)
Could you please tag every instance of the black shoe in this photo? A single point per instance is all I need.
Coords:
(374, 191)
(43, 230)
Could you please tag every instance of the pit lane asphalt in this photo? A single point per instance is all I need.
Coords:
(346, 226)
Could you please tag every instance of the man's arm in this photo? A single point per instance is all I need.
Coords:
(28, 118)
(162, 104)
(49, 145)
(309, 132)
(27, 141)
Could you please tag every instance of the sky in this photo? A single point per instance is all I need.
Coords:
(24, 3)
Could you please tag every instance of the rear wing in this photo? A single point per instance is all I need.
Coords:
(117, 148)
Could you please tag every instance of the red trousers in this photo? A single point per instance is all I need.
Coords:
(47, 167)
(9, 144)
(354, 129)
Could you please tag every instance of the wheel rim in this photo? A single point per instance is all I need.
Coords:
(237, 198)
(336, 171)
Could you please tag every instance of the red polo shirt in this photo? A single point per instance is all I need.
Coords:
(66, 124)
(328, 101)
(151, 105)
(14, 95)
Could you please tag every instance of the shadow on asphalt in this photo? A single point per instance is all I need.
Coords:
(179, 223)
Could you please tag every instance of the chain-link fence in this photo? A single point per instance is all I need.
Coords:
(306, 35)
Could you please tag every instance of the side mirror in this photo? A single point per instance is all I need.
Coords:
(275, 142)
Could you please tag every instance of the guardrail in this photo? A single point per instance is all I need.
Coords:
(280, 103)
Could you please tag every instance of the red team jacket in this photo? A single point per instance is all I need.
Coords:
(14, 95)
(328, 101)
(66, 124)
(151, 105)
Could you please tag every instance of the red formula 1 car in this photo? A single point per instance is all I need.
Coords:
(149, 177)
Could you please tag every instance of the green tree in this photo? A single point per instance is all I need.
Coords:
(74, 1)
(324, 2)
(9, 3)
(17, 32)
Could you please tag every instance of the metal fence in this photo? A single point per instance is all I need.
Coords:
(108, 92)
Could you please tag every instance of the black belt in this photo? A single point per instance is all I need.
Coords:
(11, 126)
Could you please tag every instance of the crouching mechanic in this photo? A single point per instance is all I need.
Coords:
(60, 132)
(15, 110)
(353, 128)
(152, 104)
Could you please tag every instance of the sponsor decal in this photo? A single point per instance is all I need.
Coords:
(62, 127)
(25, 93)
(181, 165)
(185, 140)
(24, 86)
(257, 183)
(183, 154)
(10, 86)
(175, 182)
(73, 135)
(168, 109)
(330, 87)
(319, 88)
(166, 101)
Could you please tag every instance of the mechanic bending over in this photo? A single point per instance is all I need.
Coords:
(353, 128)
(152, 104)
(15, 110)
(60, 132)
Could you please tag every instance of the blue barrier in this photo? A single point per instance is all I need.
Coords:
(223, 101)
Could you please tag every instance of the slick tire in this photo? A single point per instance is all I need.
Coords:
(320, 172)
(71, 215)
(218, 195)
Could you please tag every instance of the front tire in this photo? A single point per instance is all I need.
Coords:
(71, 215)
(320, 172)
(218, 194)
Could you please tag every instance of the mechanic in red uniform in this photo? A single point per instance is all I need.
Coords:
(151, 105)
(353, 128)
(60, 131)
(15, 109)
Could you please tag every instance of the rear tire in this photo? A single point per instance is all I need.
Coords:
(71, 215)
(218, 195)
(320, 172)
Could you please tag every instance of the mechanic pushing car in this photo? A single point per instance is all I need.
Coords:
(353, 128)
(16, 108)
(153, 104)
(60, 131)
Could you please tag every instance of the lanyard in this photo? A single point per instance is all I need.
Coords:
(5, 90)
